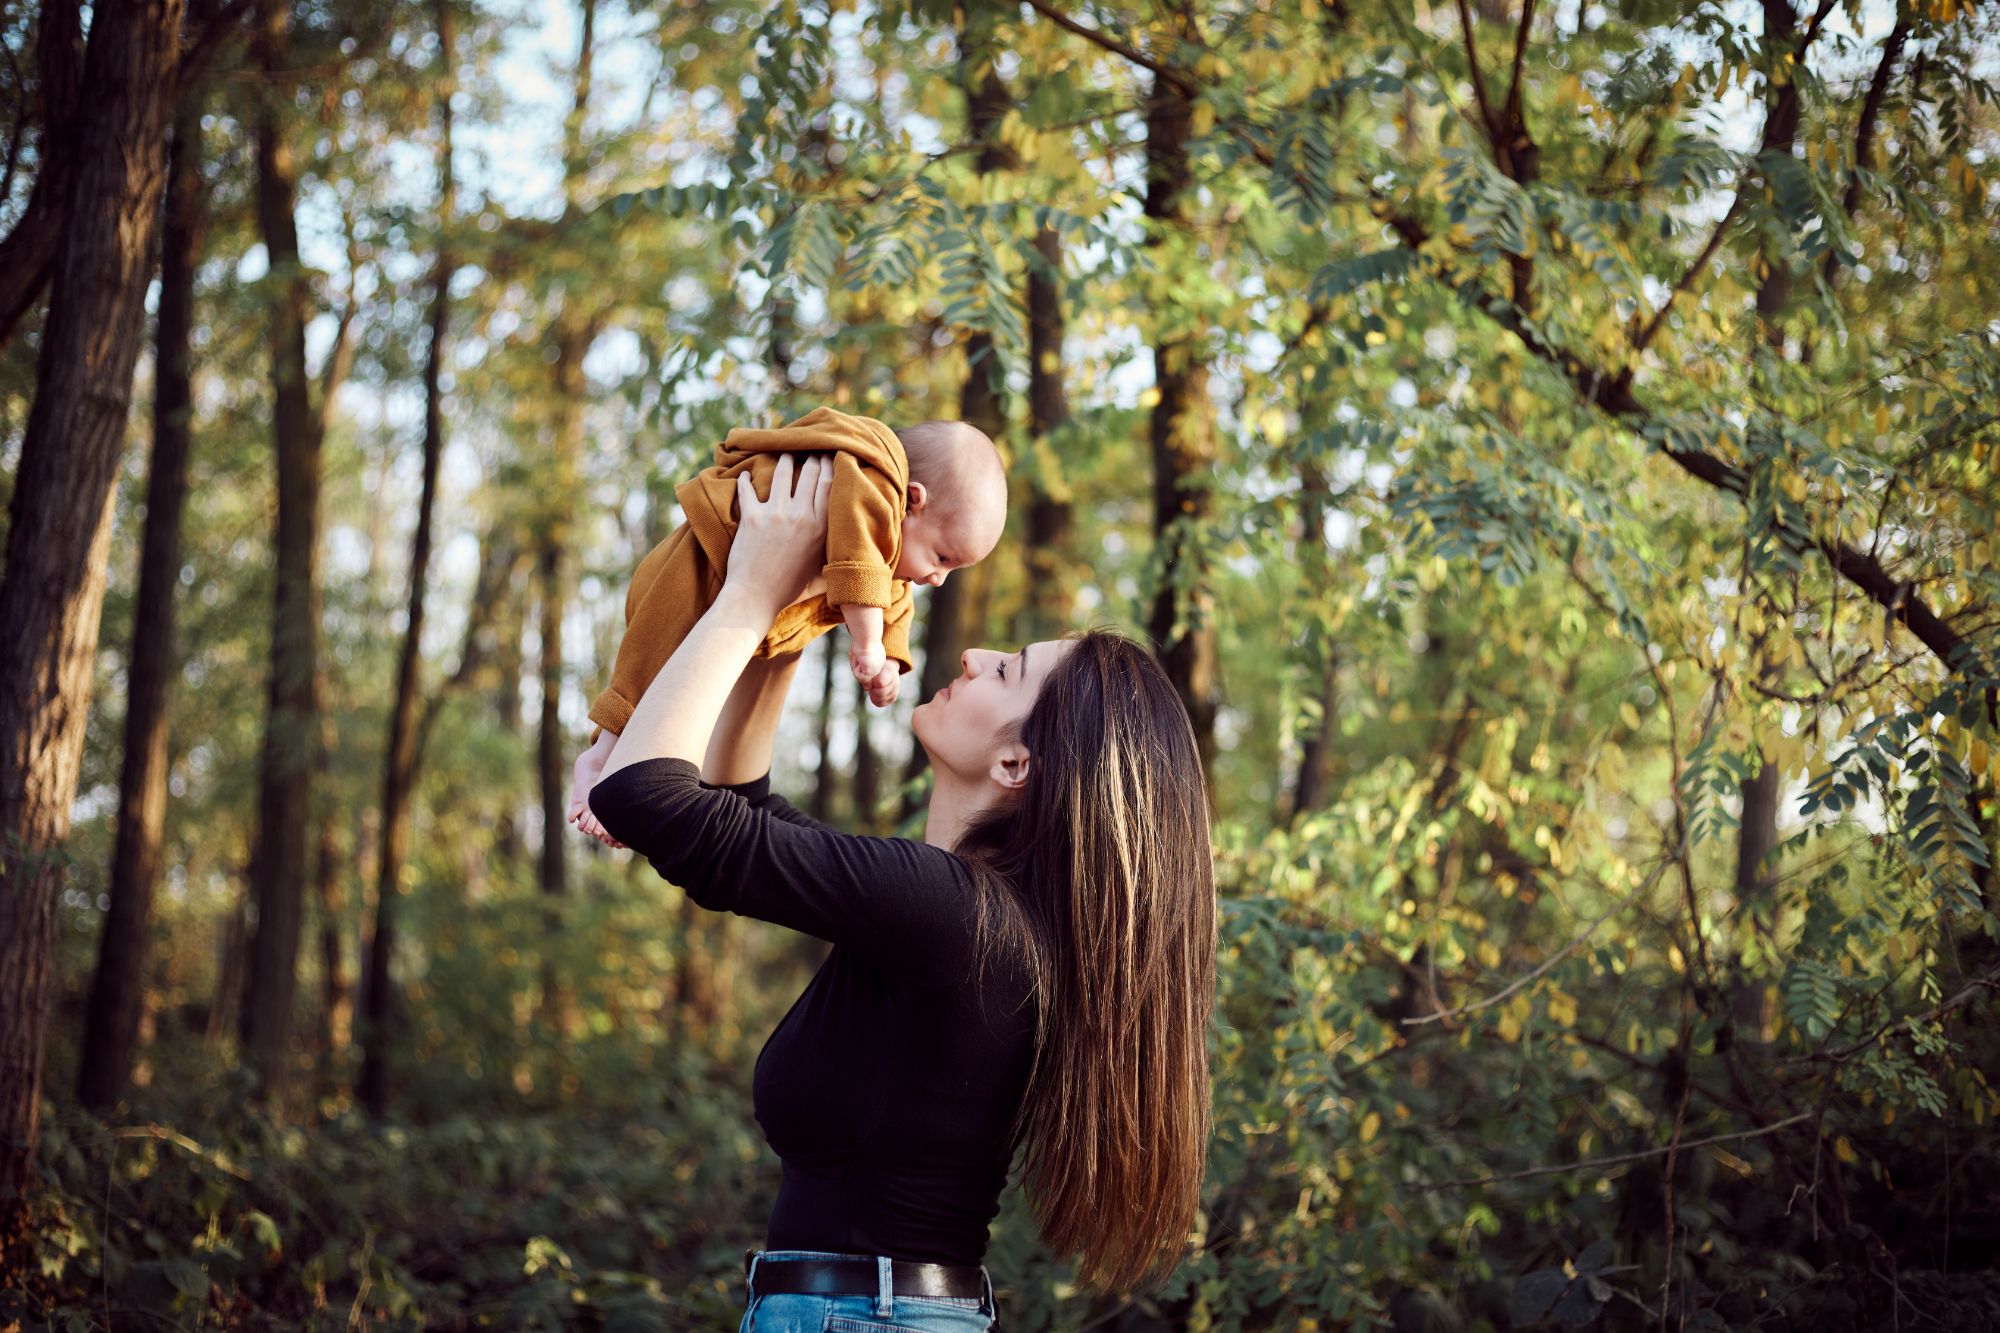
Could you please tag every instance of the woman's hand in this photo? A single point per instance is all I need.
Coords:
(779, 552)
(780, 548)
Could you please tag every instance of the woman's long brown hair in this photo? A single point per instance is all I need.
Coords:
(1102, 870)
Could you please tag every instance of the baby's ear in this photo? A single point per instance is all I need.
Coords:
(920, 495)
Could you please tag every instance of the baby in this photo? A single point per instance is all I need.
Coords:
(907, 506)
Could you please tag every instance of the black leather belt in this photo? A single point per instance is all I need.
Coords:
(857, 1277)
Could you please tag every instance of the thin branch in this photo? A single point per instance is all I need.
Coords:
(1864, 130)
(1991, 981)
(181, 1141)
(340, 357)
(1512, 113)
(1187, 86)
(1594, 1162)
(1478, 80)
(1653, 326)
(1812, 28)
(1554, 958)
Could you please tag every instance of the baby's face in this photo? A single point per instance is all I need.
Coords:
(936, 542)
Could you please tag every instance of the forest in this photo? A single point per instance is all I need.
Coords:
(1554, 448)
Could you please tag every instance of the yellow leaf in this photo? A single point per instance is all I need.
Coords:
(1203, 119)
(1845, 1150)
(1371, 1124)
(1510, 1028)
(1629, 714)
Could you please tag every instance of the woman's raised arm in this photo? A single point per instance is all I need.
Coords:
(740, 749)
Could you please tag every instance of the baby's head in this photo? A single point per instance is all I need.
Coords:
(958, 499)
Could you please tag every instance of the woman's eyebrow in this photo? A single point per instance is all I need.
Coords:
(1024, 662)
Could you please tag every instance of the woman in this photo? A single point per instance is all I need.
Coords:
(1037, 973)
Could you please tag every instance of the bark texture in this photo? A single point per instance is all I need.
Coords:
(956, 608)
(59, 537)
(112, 1020)
(1182, 432)
(1051, 568)
(378, 997)
(278, 868)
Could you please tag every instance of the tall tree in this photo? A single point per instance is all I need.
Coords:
(867, 765)
(59, 533)
(278, 870)
(826, 776)
(1051, 566)
(1182, 426)
(957, 605)
(1757, 835)
(575, 326)
(400, 772)
(119, 982)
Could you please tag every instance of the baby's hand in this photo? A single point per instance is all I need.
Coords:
(866, 662)
(885, 685)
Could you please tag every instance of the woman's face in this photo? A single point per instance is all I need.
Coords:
(965, 726)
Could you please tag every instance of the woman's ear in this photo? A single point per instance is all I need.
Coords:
(1010, 767)
(920, 495)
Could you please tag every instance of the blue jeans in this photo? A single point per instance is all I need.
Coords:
(881, 1312)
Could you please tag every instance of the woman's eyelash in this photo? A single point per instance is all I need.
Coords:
(1003, 671)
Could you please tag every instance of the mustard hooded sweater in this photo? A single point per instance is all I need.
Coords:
(676, 582)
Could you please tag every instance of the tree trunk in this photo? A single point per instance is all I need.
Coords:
(119, 983)
(1757, 833)
(330, 1039)
(278, 871)
(59, 536)
(1051, 571)
(827, 776)
(956, 607)
(1183, 436)
(1315, 773)
(399, 778)
(867, 766)
(572, 332)
(510, 660)
(553, 595)
(28, 254)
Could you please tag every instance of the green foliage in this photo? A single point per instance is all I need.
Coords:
(1565, 483)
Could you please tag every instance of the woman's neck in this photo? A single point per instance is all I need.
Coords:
(953, 808)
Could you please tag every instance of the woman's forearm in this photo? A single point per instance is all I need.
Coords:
(740, 748)
(678, 712)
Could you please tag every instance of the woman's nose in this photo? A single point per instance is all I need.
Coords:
(972, 661)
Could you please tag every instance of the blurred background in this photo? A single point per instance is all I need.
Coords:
(1554, 447)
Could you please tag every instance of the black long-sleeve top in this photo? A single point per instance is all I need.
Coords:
(888, 1088)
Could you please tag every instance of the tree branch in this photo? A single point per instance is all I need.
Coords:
(1864, 130)
(1187, 86)
(1694, 270)
(340, 357)
(1593, 1163)
(1478, 80)
(1612, 394)
(1512, 114)
(1531, 977)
